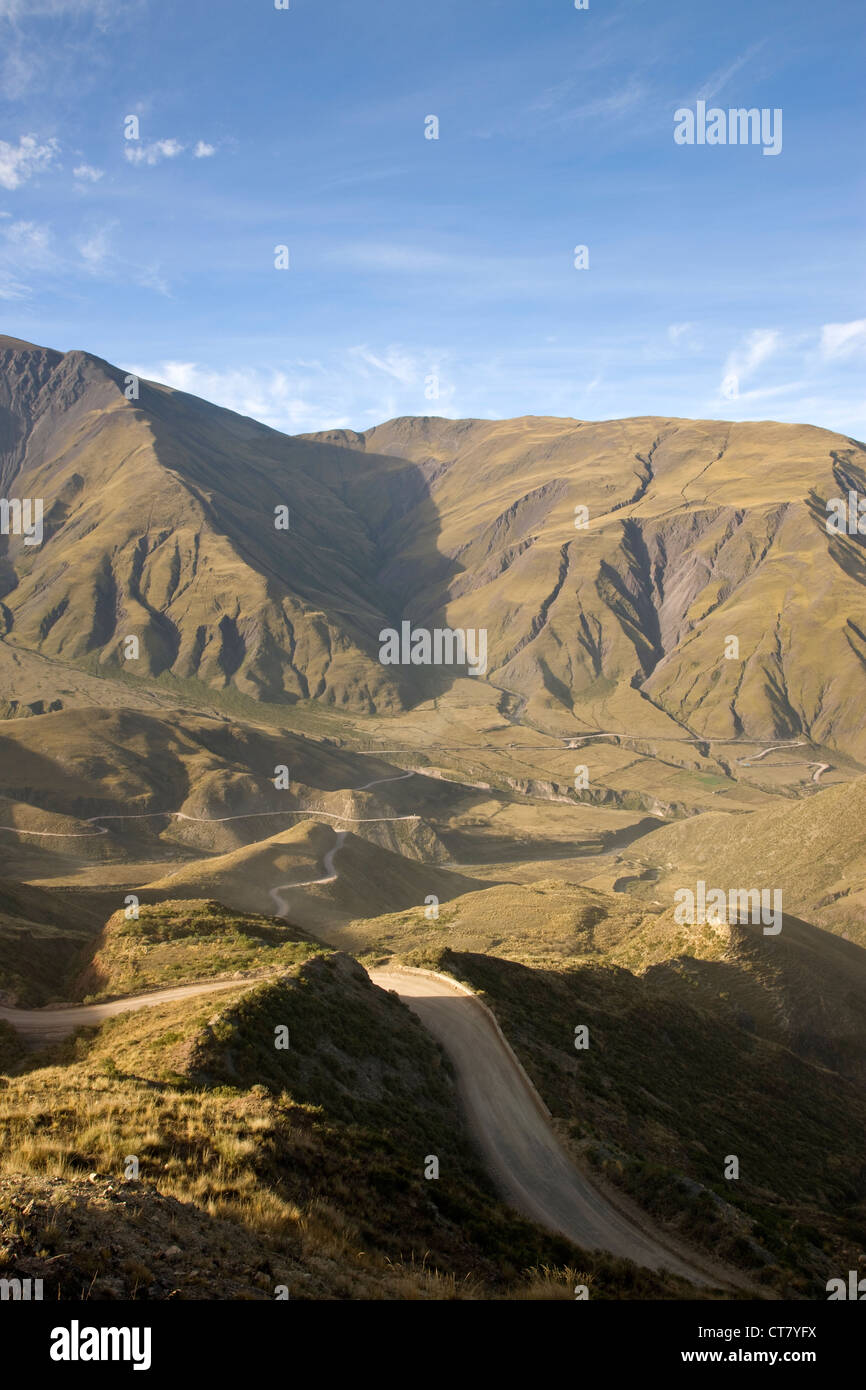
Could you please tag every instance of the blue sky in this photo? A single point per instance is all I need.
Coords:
(721, 282)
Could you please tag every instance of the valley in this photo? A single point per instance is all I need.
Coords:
(258, 822)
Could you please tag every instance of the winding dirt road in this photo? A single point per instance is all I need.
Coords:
(511, 1125)
(505, 1113)
(39, 1027)
(506, 1116)
(330, 875)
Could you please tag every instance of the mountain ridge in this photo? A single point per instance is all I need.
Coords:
(609, 562)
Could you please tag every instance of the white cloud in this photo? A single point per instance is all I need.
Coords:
(395, 363)
(19, 162)
(29, 242)
(203, 150)
(682, 334)
(24, 246)
(268, 396)
(843, 339)
(96, 250)
(86, 173)
(758, 347)
(303, 396)
(153, 153)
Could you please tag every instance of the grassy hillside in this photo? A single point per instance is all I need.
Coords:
(690, 536)
(813, 850)
(368, 875)
(179, 942)
(667, 1090)
(259, 1167)
(547, 921)
(695, 530)
(804, 989)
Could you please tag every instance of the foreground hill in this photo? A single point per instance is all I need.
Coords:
(804, 989)
(668, 1090)
(261, 1167)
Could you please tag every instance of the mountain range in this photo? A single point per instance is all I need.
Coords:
(210, 777)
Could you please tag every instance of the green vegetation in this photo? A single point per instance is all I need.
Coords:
(667, 1090)
(180, 942)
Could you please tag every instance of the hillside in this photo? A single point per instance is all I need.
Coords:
(667, 1091)
(814, 851)
(188, 940)
(259, 878)
(260, 1167)
(804, 989)
(695, 530)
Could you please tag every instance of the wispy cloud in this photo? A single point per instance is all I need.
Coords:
(720, 79)
(843, 339)
(158, 150)
(391, 257)
(26, 244)
(395, 363)
(33, 9)
(20, 162)
(760, 345)
(86, 173)
(359, 385)
(153, 153)
(95, 249)
(683, 335)
(10, 288)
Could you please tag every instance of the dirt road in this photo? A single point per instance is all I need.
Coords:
(330, 875)
(505, 1114)
(510, 1123)
(38, 1027)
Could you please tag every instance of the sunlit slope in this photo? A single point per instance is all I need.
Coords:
(95, 782)
(803, 987)
(813, 851)
(696, 531)
(361, 879)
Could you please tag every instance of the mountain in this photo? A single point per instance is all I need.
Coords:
(696, 530)
(160, 525)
